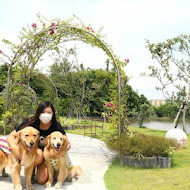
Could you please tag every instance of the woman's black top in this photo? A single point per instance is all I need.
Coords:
(55, 126)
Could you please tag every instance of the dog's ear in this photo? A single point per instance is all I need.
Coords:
(38, 137)
(66, 141)
(47, 141)
(17, 139)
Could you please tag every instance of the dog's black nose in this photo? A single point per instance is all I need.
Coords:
(31, 143)
(58, 144)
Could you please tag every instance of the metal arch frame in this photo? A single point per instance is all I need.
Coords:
(103, 45)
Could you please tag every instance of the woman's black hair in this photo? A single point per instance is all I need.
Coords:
(35, 119)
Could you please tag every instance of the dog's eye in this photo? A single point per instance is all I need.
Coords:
(34, 135)
(26, 135)
(61, 139)
(54, 138)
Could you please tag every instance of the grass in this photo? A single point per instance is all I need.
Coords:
(129, 178)
(175, 178)
(80, 131)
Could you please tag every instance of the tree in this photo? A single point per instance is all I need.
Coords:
(173, 57)
(167, 110)
(145, 111)
(3, 77)
(85, 90)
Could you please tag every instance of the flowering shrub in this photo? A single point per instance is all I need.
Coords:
(90, 29)
(127, 60)
(110, 109)
(34, 25)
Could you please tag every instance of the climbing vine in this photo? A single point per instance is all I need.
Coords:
(45, 35)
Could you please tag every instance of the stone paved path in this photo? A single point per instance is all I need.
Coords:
(93, 157)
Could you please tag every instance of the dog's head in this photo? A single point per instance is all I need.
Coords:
(29, 137)
(57, 141)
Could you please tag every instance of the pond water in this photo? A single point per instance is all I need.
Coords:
(162, 125)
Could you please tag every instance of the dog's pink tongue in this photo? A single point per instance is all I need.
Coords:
(30, 149)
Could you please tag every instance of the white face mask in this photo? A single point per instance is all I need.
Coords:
(45, 117)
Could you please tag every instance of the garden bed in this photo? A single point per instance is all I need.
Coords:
(146, 162)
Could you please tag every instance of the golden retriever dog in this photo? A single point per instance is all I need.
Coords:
(4, 154)
(3, 163)
(27, 141)
(56, 142)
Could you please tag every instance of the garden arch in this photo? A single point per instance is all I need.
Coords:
(36, 43)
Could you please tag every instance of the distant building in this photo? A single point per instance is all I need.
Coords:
(158, 102)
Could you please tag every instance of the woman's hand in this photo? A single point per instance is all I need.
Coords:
(11, 141)
(16, 151)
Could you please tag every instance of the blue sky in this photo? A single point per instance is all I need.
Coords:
(127, 23)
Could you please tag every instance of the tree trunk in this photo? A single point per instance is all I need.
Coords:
(176, 121)
(182, 109)
(183, 120)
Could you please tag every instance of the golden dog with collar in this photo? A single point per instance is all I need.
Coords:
(56, 142)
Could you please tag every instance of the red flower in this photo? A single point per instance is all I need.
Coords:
(127, 60)
(52, 24)
(52, 31)
(20, 83)
(92, 30)
(1, 51)
(34, 25)
(109, 104)
(88, 28)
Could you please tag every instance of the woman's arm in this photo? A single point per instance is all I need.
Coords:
(11, 141)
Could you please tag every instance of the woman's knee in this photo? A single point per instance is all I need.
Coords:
(42, 173)
(42, 180)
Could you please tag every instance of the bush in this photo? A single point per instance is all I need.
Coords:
(142, 145)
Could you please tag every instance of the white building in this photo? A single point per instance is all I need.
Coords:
(158, 102)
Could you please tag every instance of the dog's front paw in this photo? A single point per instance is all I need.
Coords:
(73, 179)
(48, 184)
(18, 187)
(58, 185)
(29, 187)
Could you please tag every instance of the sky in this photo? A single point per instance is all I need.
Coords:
(126, 23)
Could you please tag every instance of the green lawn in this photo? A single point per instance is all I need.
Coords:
(175, 178)
(127, 178)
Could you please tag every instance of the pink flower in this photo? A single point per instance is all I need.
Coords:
(20, 83)
(52, 31)
(52, 24)
(109, 104)
(127, 60)
(34, 25)
(1, 51)
(92, 30)
(88, 28)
